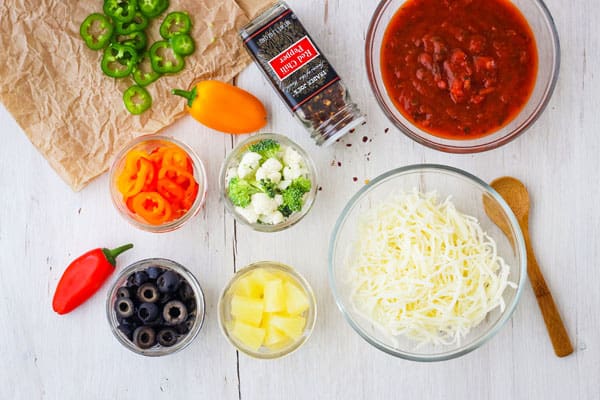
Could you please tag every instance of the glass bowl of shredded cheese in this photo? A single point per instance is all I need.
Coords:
(427, 262)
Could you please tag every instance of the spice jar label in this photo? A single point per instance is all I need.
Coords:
(293, 58)
(290, 59)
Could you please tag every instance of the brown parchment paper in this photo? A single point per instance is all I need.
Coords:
(53, 86)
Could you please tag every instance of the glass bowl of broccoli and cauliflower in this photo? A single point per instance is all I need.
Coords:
(268, 182)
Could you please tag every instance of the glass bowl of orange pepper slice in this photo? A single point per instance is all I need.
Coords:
(157, 183)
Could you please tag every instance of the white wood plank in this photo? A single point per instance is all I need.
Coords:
(44, 226)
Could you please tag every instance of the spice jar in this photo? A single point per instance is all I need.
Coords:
(301, 74)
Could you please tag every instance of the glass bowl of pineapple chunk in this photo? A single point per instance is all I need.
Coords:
(268, 310)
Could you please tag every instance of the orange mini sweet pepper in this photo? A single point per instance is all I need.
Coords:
(224, 107)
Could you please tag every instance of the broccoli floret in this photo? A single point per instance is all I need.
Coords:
(302, 183)
(240, 192)
(293, 196)
(292, 200)
(267, 148)
(268, 187)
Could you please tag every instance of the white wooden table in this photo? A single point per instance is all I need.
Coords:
(43, 226)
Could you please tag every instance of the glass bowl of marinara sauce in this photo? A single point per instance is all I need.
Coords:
(462, 76)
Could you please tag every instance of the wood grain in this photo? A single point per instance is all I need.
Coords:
(516, 195)
(556, 328)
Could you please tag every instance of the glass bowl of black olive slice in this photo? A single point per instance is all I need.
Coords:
(155, 307)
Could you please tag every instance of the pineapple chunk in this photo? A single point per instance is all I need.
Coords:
(248, 287)
(261, 275)
(292, 327)
(249, 335)
(296, 301)
(274, 296)
(266, 320)
(247, 309)
(274, 338)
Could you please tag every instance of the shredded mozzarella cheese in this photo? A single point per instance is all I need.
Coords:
(424, 270)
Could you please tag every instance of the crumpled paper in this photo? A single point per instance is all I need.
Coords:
(53, 86)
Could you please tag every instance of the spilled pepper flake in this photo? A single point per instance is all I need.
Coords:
(365, 139)
(354, 178)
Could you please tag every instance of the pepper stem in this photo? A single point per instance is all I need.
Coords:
(190, 95)
(111, 255)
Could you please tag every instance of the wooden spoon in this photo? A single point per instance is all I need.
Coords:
(515, 194)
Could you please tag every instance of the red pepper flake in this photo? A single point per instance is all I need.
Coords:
(339, 164)
(351, 130)
(386, 130)
(320, 188)
(348, 144)
(365, 139)
(355, 179)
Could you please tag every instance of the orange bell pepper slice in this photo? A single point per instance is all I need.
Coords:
(181, 177)
(132, 181)
(152, 207)
(132, 159)
(177, 157)
(190, 196)
(156, 156)
(170, 190)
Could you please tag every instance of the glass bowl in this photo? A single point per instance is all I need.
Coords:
(548, 49)
(148, 144)
(233, 160)
(225, 317)
(468, 193)
(156, 350)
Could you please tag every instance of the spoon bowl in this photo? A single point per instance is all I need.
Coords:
(516, 195)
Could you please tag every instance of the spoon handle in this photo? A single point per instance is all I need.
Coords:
(554, 324)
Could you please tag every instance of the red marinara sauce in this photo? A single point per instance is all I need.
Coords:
(459, 69)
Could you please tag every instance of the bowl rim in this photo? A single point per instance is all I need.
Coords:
(299, 278)
(292, 220)
(510, 308)
(199, 170)
(456, 146)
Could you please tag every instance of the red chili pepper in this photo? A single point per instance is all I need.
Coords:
(84, 276)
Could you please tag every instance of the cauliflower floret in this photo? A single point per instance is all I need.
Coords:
(230, 174)
(248, 164)
(292, 158)
(273, 218)
(248, 213)
(279, 199)
(284, 184)
(294, 172)
(274, 176)
(272, 165)
(270, 170)
(263, 204)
